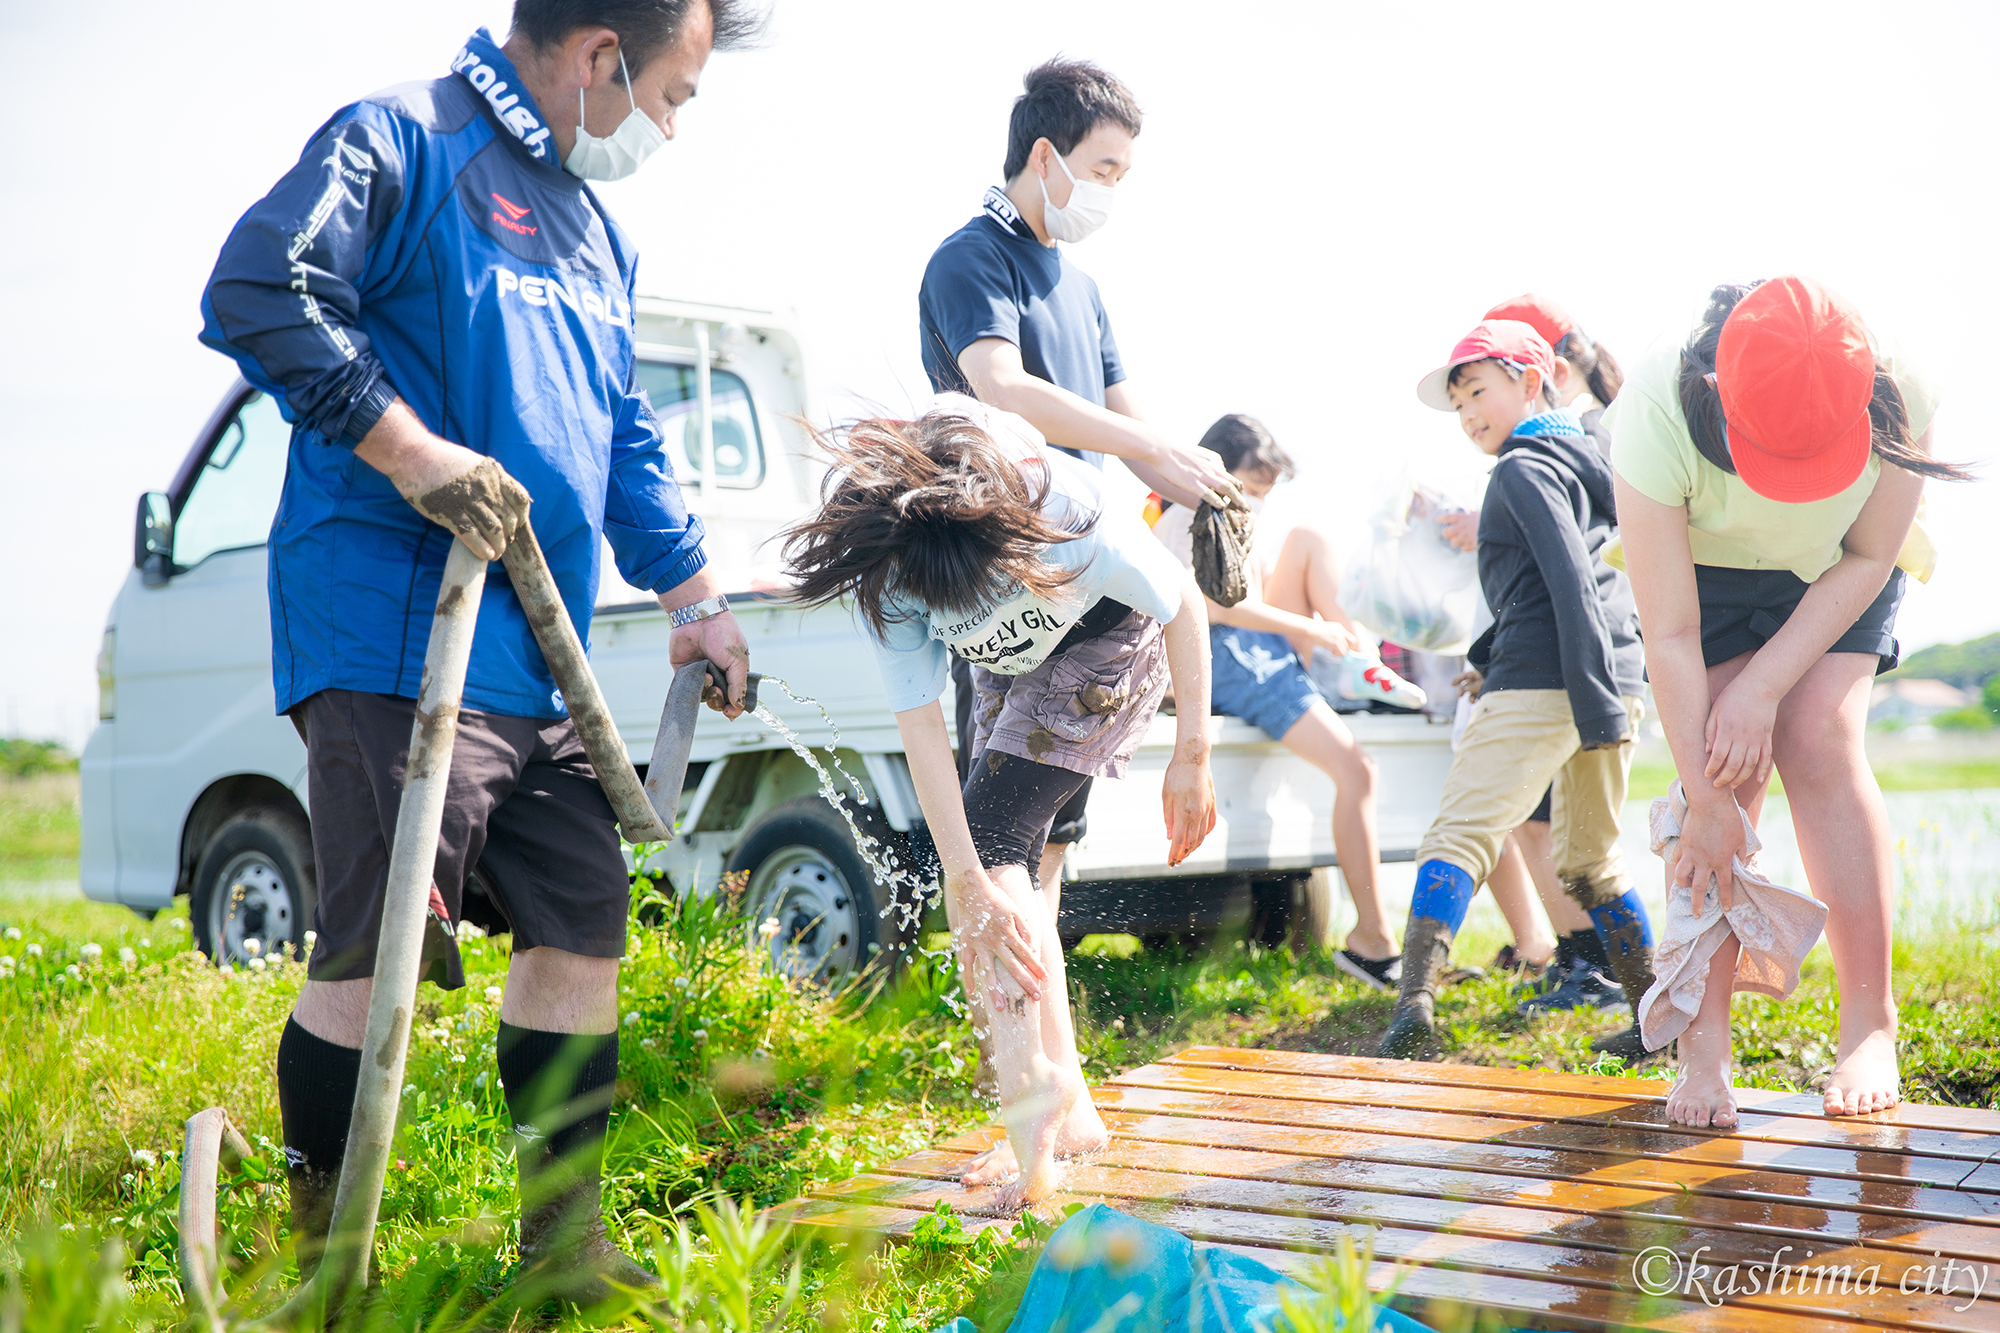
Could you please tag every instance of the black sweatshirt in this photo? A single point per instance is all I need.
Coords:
(1562, 618)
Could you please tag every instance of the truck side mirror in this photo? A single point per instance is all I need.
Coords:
(153, 538)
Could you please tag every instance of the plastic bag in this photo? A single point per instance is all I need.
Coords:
(1409, 584)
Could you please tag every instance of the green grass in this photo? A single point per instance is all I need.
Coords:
(38, 827)
(734, 1084)
(1651, 779)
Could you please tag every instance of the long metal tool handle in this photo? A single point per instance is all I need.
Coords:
(563, 651)
(343, 1272)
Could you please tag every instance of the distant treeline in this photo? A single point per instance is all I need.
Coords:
(23, 758)
(1967, 665)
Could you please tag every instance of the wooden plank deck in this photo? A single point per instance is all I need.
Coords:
(1531, 1194)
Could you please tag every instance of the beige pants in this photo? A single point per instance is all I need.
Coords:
(1518, 744)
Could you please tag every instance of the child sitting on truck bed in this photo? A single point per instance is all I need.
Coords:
(964, 530)
(1258, 653)
(1560, 700)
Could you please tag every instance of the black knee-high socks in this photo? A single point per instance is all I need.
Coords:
(316, 1082)
(559, 1088)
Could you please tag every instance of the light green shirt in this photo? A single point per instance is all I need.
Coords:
(1728, 523)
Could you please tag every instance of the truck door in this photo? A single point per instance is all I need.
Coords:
(194, 652)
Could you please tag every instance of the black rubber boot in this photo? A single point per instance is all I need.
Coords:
(565, 1253)
(1628, 1045)
(1426, 950)
(316, 1081)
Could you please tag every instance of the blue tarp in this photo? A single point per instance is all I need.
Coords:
(1107, 1272)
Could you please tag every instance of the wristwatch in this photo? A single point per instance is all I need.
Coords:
(701, 610)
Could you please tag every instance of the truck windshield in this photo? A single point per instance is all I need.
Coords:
(236, 494)
(739, 448)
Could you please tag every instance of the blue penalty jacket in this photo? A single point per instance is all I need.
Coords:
(428, 245)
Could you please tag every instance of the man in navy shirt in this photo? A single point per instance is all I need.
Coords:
(439, 303)
(1004, 316)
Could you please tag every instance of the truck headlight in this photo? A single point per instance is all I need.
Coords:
(107, 681)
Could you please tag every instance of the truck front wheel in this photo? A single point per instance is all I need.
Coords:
(255, 882)
(806, 874)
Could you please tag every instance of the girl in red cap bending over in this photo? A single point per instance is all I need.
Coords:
(1768, 476)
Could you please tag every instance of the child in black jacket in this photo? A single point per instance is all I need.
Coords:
(1563, 674)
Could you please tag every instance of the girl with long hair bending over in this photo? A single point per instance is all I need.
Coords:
(1768, 476)
(962, 530)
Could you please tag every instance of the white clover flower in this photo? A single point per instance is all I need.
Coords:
(632, 1019)
(145, 941)
(409, 1089)
(145, 1158)
(769, 928)
(680, 983)
(73, 972)
(258, 965)
(34, 951)
(252, 945)
(647, 1043)
(178, 923)
(458, 1059)
(312, 938)
(91, 952)
(128, 956)
(493, 994)
(468, 930)
(762, 1054)
(481, 1081)
(48, 1184)
(700, 1035)
(13, 932)
(7, 961)
(227, 970)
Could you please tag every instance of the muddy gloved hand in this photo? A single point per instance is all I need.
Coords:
(471, 496)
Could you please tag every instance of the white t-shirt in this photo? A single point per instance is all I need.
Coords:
(1118, 558)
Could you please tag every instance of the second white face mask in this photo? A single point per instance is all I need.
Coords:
(1089, 207)
(637, 138)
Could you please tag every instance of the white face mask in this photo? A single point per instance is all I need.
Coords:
(1089, 207)
(615, 158)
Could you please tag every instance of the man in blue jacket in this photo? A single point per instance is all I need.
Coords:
(444, 311)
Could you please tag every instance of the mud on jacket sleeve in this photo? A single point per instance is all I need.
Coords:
(1541, 505)
(287, 288)
(656, 542)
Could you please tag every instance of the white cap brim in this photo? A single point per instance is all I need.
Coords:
(1434, 389)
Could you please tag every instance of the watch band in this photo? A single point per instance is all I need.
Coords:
(701, 610)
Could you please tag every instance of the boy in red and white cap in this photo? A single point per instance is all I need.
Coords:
(1564, 671)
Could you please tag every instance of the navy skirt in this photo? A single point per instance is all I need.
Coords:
(1742, 609)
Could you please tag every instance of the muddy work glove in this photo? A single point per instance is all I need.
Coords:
(1222, 531)
(482, 506)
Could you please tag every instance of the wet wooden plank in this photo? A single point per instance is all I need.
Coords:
(1504, 1240)
(1554, 1107)
(1959, 1119)
(1303, 1161)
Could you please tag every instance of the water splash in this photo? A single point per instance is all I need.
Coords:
(909, 896)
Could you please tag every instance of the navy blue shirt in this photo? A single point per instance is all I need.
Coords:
(992, 279)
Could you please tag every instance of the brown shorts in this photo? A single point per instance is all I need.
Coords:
(522, 804)
(1084, 709)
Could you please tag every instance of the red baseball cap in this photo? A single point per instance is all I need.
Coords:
(1506, 340)
(1543, 315)
(1795, 374)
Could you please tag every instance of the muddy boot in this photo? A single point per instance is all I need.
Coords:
(565, 1253)
(1627, 935)
(1426, 948)
(312, 1215)
(1628, 1045)
(316, 1081)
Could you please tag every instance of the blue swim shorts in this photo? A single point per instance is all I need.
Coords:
(1257, 677)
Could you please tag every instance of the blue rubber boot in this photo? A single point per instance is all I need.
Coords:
(1627, 935)
(1437, 910)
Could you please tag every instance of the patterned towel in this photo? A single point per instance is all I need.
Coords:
(1776, 926)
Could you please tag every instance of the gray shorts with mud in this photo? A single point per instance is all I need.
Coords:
(522, 804)
(1085, 708)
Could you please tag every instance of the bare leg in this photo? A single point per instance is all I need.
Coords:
(1702, 1094)
(1305, 580)
(553, 990)
(1514, 891)
(1535, 842)
(1323, 740)
(336, 1011)
(1083, 1131)
(1844, 844)
(1037, 1093)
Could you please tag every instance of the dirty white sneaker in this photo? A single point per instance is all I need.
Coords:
(1366, 678)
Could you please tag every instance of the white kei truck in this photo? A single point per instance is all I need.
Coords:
(192, 784)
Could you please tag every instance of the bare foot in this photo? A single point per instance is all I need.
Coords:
(1035, 1114)
(1702, 1095)
(1865, 1077)
(1082, 1132)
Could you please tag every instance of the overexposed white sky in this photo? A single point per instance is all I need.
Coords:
(1325, 197)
